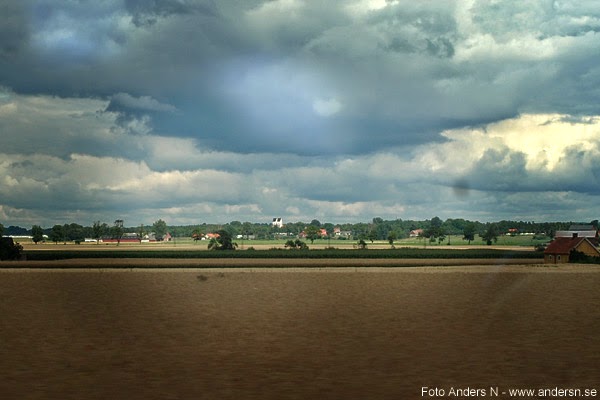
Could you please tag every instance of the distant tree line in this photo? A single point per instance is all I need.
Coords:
(434, 229)
(77, 233)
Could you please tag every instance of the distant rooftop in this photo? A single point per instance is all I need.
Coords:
(576, 227)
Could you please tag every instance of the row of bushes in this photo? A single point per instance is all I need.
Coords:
(290, 254)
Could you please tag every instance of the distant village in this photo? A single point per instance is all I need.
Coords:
(562, 242)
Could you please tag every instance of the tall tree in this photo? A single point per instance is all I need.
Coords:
(490, 234)
(160, 229)
(372, 235)
(141, 232)
(37, 234)
(434, 230)
(469, 232)
(223, 242)
(98, 229)
(117, 230)
(391, 237)
(57, 234)
(74, 232)
(312, 232)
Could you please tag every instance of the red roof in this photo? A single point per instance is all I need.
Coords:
(563, 245)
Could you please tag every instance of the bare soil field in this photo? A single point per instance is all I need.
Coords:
(296, 333)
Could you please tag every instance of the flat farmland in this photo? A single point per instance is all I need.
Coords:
(443, 255)
(296, 333)
(185, 244)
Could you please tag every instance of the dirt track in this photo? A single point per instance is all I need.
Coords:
(378, 333)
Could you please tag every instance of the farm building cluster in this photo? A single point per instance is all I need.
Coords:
(575, 244)
(134, 238)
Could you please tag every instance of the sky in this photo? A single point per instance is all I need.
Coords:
(213, 111)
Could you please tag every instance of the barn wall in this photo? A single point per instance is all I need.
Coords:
(587, 249)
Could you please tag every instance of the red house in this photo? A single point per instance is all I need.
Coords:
(559, 250)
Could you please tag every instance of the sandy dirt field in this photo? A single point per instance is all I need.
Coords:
(297, 333)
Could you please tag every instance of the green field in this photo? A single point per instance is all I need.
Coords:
(454, 247)
(453, 240)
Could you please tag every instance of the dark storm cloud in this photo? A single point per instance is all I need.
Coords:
(146, 12)
(295, 104)
(13, 30)
(400, 73)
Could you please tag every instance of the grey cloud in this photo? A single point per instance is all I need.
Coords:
(13, 29)
(395, 70)
(412, 28)
(146, 12)
(61, 127)
(235, 87)
(544, 19)
(500, 170)
(145, 103)
(504, 171)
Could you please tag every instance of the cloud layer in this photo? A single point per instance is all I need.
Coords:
(213, 111)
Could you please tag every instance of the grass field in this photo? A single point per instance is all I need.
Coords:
(251, 333)
(454, 240)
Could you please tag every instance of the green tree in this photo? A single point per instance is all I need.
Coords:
(141, 232)
(434, 230)
(73, 232)
(223, 242)
(469, 232)
(37, 234)
(1, 230)
(312, 232)
(490, 234)
(372, 235)
(160, 229)
(442, 237)
(391, 237)
(98, 229)
(57, 234)
(296, 244)
(328, 228)
(117, 230)
(246, 230)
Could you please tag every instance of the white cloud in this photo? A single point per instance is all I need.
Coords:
(543, 139)
(361, 7)
(327, 107)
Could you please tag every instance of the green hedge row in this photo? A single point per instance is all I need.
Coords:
(290, 254)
